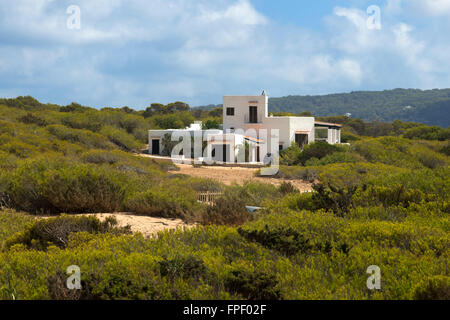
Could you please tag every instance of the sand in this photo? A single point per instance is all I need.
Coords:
(239, 175)
(148, 226)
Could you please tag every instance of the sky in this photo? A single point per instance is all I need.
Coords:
(114, 53)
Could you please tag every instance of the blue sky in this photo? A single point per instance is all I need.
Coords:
(136, 52)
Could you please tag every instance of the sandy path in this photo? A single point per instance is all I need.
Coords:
(229, 175)
(148, 226)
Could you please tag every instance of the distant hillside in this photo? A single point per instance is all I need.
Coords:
(430, 107)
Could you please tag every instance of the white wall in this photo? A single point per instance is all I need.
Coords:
(241, 106)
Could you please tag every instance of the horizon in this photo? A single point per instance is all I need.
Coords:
(135, 53)
(141, 108)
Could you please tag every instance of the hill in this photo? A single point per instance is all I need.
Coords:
(429, 107)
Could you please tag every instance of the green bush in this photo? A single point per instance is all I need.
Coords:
(427, 133)
(84, 137)
(328, 197)
(337, 157)
(166, 202)
(12, 222)
(287, 188)
(253, 285)
(30, 118)
(227, 210)
(286, 240)
(317, 150)
(122, 139)
(185, 267)
(61, 187)
(433, 288)
(55, 231)
(291, 155)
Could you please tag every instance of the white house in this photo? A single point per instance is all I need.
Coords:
(249, 133)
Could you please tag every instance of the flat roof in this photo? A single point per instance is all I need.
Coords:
(328, 124)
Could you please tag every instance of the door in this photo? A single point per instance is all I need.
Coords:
(253, 111)
(155, 146)
(301, 139)
(224, 153)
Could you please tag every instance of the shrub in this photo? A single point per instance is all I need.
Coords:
(394, 195)
(204, 185)
(84, 137)
(56, 187)
(168, 121)
(101, 157)
(185, 267)
(255, 193)
(30, 118)
(165, 202)
(347, 136)
(120, 138)
(12, 222)
(433, 288)
(427, 133)
(56, 231)
(317, 150)
(253, 285)
(57, 288)
(337, 157)
(432, 160)
(228, 210)
(309, 174)
(445, 149)
(283, 239)
(291, 155)
(287, 188)
(328, 197)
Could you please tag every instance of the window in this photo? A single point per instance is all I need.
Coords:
(280, 147)
(253, 111)
(230, 111)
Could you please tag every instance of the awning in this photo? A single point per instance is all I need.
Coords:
(327, 124)
(253, 139)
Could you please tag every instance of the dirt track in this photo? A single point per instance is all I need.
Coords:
(148, 226)
(230, 175)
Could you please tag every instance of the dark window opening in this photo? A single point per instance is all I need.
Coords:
(224, 153)
(230, 111)
(280, 147)
(155, 146)
(253, 114)
(301, 140)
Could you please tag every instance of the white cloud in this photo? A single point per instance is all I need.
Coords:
(393, 7)
(432, 7)
(241, 12)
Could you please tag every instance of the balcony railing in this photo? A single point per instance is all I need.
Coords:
(253, 120)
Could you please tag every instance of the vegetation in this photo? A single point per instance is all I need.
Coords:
(382, 200)
(429, 107)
